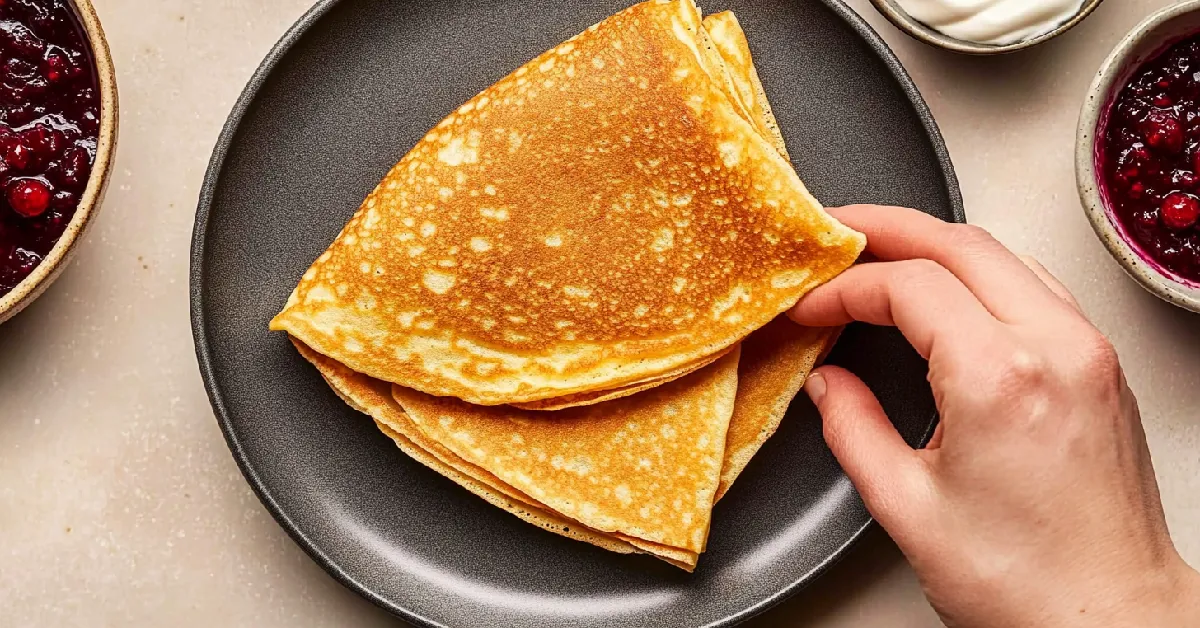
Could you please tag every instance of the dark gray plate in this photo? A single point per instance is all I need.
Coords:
(341, 98)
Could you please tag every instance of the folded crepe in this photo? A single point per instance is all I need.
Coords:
(638, 474)
(470, 279)
(633, 474)
(609, 215)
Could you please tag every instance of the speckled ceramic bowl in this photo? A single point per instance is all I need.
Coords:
(89, 202)
(1146, 40)
(893, 12)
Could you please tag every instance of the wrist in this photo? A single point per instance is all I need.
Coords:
(1184, 605)
(1170, 599)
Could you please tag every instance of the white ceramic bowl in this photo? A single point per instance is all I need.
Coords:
(1145, 41)
(918, 30)
(89, 202)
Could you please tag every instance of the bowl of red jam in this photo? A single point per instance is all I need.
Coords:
(58, 129)
(1138, 154)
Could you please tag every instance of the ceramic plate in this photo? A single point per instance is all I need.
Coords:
(350, 88)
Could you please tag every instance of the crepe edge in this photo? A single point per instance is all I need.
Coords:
(725, 389)
(804, 361)
(525, 509)
(600, 396)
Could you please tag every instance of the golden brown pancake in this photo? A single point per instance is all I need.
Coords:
(670, 229)
(743, 85)
(645, 466)
(373, 397)
(730, 40)
(598, 396)
(775, 362)
(772, 367)
(698, 404)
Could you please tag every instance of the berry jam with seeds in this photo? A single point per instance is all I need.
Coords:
(49, 123)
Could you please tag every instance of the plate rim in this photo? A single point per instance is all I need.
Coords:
(212, 175)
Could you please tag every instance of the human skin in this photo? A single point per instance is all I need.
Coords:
(1035, 503)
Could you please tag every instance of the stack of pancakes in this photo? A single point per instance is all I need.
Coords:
(566, 297)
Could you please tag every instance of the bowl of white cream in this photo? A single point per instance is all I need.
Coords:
(985, 26)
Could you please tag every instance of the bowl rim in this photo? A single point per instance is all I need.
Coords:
(918, 30)
(49, 268)
(1093, 113)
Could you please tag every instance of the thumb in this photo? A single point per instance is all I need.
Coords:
(884, 469)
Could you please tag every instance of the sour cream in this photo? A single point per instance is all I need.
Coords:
(992, 21)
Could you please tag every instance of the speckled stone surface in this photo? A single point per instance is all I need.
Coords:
(119, 502)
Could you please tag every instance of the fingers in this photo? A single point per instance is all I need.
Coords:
(1005, 286)
(884, 469)
(1051, 281)
(919, 297)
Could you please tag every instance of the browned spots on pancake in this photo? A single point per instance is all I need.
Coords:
(593, 234)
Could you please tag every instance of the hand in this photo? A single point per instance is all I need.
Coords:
(1035, 503)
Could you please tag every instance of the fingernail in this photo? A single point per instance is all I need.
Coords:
(815, 387)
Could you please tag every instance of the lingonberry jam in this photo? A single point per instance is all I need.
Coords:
(49, 123)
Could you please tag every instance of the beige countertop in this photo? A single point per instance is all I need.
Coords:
(119, 502)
